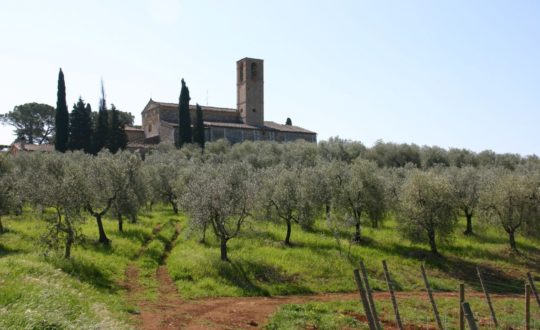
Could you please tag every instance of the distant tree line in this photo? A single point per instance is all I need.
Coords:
(349, 186)
(82, 129)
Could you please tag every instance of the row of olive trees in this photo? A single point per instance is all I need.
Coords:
(294, 183)
(72, 185)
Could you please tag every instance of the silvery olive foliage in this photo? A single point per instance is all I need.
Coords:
(511, 200)
(54, 181)
(285, 196)
(466, 185)
(221, 197)
(295, 183)
(427, 211)
(9, 196)
(361, 195)
(161, 170)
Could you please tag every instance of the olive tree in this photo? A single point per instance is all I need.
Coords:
(130, 186)
(99, 187)
(466, 186)
(284, 197)
(162, 169)
(510, 200)
(9, 196)
(220, 196)
(426, 209)
(54, 181)
(361, 194)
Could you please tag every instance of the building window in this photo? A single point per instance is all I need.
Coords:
(254, 70)
(254, 110)
(149, 128)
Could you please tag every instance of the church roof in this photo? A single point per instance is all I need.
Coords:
(286, 128)
(191, 106)
(268, 125)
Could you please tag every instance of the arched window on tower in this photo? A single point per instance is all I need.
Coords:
(254, 70)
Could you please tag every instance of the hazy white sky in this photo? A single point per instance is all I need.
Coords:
(448, 73)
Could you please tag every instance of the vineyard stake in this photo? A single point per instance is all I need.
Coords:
(372, 306)
(488, 298)
(461, 301)
(392, 296)
(527, 306)
(533, 288)
(469, 316)
(431, 299)
(364, 300)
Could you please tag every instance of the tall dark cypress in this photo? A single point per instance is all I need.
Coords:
(198, 134)
(76, 136)
(62, 116)
(87, 129)
(184, 118)
(101, 134)
(118, 138)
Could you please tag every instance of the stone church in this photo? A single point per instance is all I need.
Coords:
(246, 122)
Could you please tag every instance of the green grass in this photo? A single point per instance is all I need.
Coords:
(262, 265)
(414, 311)
(85, 292)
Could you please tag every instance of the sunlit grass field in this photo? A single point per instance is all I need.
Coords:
(88, 291)
(39, 291)
(414, 311)
(262, 265)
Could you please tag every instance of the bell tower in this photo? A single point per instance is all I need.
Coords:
(250, 90)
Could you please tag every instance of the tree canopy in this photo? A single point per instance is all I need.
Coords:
(33, 122)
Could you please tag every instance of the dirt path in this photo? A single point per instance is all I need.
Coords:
(169, 311)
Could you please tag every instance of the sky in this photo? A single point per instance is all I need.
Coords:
(457, 73)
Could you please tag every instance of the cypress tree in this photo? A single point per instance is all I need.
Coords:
(87, 130)
(118, 138)
(184, 118)
(75, 126)
(198, 134)
(101, 135)
(288, 122)
(62, 116)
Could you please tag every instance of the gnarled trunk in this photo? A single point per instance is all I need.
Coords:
(223, 246)
(468, 230)
(432, 243)
(512, 240)
(288, 236)
(173, 204)
(102, 236)
(357, 235)
(120, 222)
(69, 243)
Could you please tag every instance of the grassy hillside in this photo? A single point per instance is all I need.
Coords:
(262, 265)
(414, 310)
(88, 291)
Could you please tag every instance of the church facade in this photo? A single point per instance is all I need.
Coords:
(246, 122)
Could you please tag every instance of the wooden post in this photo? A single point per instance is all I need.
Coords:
(392, 296)
(533, 288)
(364, 300)
(461, 301)
(372, 306)
(527, 306)
(469, 315)
(431, 299)
(488, 298)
